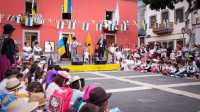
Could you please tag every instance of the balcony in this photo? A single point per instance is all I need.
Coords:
(109, 27)
(163, 28)
(32, 21)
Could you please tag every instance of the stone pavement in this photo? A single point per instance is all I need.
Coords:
(147, 92)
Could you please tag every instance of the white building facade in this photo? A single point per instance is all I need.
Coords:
(165, 26)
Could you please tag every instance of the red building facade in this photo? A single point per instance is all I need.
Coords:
(91, 11)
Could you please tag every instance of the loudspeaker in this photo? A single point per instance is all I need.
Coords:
(77, 61)
(100, 60)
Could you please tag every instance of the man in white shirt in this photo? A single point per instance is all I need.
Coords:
(37, 51)
(27, 51)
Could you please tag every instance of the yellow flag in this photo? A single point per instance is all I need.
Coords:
(89, 41)
(69, 40)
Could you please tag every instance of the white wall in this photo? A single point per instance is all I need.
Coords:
(177, 27)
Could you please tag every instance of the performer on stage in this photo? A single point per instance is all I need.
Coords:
(102, 46)
(86, 54)
(74, 47)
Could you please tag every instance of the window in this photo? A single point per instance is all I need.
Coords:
(179, 15)
(67, 16)
(152, 21)
(109, 15)
(165, 16)
(31, 37)
(30, 7)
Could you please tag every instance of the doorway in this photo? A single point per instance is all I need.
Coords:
(110, 39)
(30, 37)
(67, 54)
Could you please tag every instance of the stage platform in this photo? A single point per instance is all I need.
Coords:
(90, 68)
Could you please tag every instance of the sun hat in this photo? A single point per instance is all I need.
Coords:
(64, 74)
(13, 84)
(22, 105)
(8, 28)
(98, 96)
(76, 78)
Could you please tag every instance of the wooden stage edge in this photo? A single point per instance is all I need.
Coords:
(90, 68)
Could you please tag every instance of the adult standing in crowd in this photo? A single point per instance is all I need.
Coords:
(7, 49)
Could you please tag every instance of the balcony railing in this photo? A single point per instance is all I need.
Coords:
(163, 28)
(109, 27)
(29, 20)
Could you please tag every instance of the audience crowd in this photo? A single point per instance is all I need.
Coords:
(182, 62)
(35, 86)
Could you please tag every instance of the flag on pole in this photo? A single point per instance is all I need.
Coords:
(88, 40)
(69, 42)
(0, 18)
(98, 27)
(9, 17)
(124, 26)
(71, 25)
(61, 45)
(116, 14)
(17, 19)
(60, 25)
(33, 8)
(28, 21)
(111, 27)
(85, 26)
(67, 6)
(135, 23)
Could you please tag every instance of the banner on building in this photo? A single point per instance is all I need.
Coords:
(124, 26)
(111, 27)
(60, 24)
(71, 25)
(28, 21)
(98, 27)
(67, 9)
(0, 18)
(85, 26)
(17, 19)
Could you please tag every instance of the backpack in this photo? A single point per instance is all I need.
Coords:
(60, 100)
(76, 106)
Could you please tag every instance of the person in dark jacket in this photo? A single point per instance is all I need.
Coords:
(8, 47)
(101, 47)
(7, 50)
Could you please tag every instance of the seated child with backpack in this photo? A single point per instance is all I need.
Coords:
(59, 93)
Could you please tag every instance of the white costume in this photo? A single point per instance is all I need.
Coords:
(37, 52)
(27, 52)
